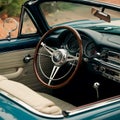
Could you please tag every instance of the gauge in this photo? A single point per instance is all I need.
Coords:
(72, 45)
(90, 49)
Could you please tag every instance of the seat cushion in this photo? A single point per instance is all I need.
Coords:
(62, 104)
(29, 96)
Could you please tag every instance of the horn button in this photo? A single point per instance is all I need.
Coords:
(59, 57)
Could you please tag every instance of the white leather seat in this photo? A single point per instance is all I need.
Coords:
(30, 97)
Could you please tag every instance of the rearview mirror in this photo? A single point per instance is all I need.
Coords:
(100, 14)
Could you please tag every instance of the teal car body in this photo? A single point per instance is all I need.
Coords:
(108, 106)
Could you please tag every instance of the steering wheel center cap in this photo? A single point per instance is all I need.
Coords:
(59, 57)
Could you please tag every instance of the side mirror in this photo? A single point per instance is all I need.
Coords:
(101, 15)
(10, 25)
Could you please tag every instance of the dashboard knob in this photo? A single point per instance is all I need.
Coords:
(85, 59)
(102, 69)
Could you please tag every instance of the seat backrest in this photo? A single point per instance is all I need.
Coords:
(28, 96)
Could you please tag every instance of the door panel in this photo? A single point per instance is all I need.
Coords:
(10, 62)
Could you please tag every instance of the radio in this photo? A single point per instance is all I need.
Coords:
(111, 74)
(114, 57)
(108, 66)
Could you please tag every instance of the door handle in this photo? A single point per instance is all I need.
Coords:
(15, 74)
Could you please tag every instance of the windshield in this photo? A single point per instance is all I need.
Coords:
(58, 13)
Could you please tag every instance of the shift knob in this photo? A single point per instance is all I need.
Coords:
(96, 86)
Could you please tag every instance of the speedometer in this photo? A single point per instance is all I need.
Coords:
(90, 49)
(72, 45)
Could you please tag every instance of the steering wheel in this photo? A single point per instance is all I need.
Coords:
(56, 66)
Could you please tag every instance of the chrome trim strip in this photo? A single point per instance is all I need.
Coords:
(94, 106)
(114, 52)
(111, 65)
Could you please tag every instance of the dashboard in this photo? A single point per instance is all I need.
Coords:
(101, 52)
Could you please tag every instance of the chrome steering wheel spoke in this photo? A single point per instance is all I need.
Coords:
(72, 58)
(47, 48)
(53, 73)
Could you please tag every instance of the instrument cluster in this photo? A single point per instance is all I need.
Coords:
(89, 47)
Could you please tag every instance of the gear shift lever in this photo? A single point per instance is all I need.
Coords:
(96, 86)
